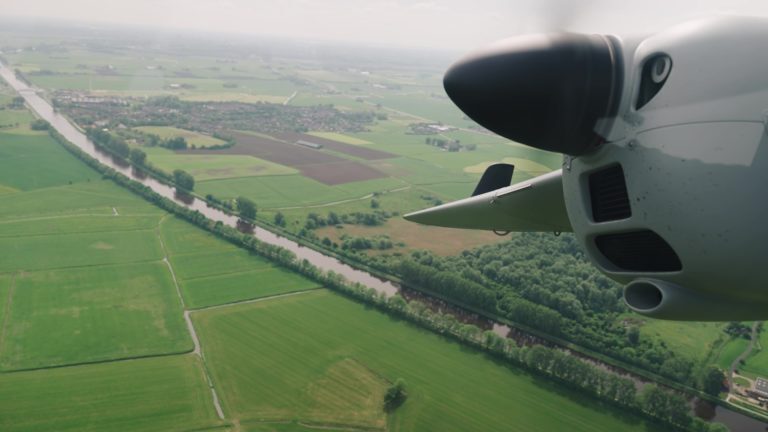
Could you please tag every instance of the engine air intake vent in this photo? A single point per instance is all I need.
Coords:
(639, 251)
(608, 192)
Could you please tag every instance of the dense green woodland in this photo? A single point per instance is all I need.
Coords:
(547, 283)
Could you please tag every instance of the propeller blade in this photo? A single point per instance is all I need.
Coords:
(533, 205)
(548, 91)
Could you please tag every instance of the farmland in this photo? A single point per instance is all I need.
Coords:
(195, 139)
(696, 341)
(757, 363)
(321, 166)
(90, 314)
(167, 393)
(130, 274)
(331, 359)
(213, 167)
(84, 287)
(52, 167)
(266, 165)
(101, 323)
(403, 231)
(210, 276)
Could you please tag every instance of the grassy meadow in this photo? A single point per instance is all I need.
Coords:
(757, 363)
(213, 167)
(730, 352)
(84, 276)
(400, 96)
(84, 286)
(697, 341)
(79, 315)
(193, 138)
(32, 160)
(159, 394)
(318, 358)
(222, 274)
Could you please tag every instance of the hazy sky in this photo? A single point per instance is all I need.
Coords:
(450, 24)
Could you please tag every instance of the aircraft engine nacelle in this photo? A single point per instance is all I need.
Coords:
(665, 158)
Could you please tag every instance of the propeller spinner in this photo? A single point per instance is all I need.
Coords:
(547, 91)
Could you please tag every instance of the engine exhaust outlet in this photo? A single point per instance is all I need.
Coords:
(665, 300)
(643, 295)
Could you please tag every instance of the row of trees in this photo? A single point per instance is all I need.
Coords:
(111, 143)
(118, 147)
(382, 242)
(375, 218)
(452, 145)
(184, 180)
(246, 207)
(39, 125)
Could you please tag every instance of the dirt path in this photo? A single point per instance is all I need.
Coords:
(256, 300)
(290, 98)
(370, 195)
(77, 215)
(744, 355)
(7, 311)
(190, 326)
(426, 120)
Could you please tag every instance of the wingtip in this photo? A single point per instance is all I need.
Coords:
(413, 216)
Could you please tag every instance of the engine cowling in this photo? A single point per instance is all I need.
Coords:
(665, 190)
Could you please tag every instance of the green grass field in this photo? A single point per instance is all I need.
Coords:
(6, 282)
(321, 359)
(282, 427)
(150, 83)
(292, 190)
(742, 382)
(692, 340)
(15, 120)
(212, 167)
(161, 394)
(79, 249)
(730, 351)
(193, 138)
(757, 363)
(233, 287)
(89, 314)
(340, 138)
(77, 223)
(179, 239)
(215, 272)
(527, 166)
(203, 263)
(90, 198)
(34, 161)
